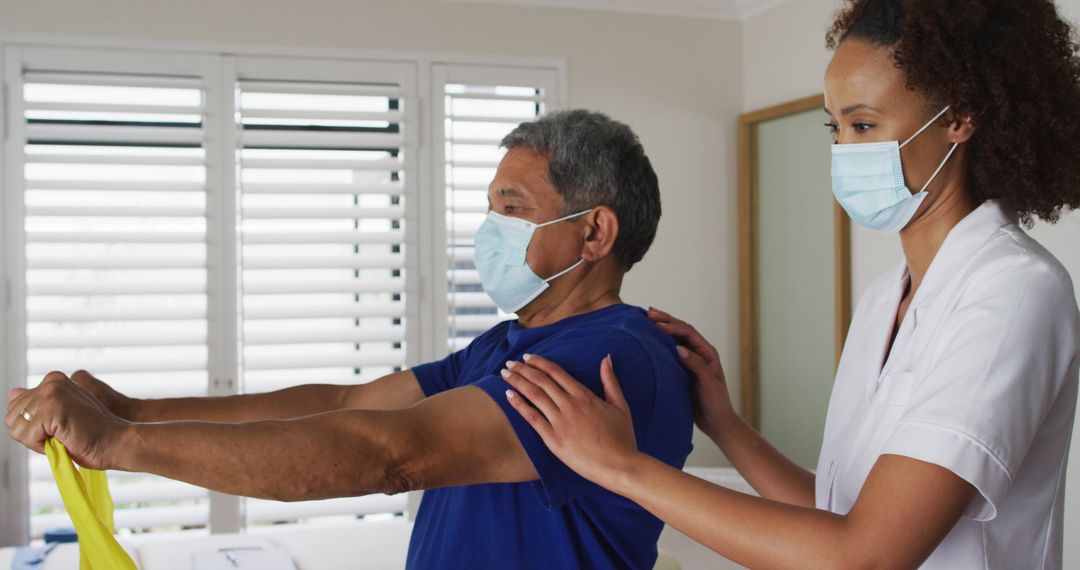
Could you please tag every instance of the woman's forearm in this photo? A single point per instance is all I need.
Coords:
(753, 531)
(903, 511)
(764, 467)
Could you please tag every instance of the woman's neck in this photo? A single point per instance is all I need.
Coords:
(922, 239)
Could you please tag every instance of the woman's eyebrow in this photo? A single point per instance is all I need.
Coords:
(859, 107)
(853, 108)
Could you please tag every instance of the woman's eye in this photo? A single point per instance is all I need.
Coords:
(833, 127)
(862, 127)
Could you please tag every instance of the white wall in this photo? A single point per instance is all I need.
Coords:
(779, 70)
(675, 80)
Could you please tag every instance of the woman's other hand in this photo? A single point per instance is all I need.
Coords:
(713, 409)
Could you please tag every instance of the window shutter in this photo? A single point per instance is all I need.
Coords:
(326, 171)
(480, 105)
(188, 225)
(114, 200)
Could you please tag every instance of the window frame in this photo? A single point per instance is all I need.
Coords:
(218, 64)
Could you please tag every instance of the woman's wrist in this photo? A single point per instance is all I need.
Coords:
(727, 427)
(622, 477)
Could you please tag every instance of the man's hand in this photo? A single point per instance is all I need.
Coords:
(114, 401)
(60, 408)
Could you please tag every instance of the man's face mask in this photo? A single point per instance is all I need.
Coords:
(501, 245)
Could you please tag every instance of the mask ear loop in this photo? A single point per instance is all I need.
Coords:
(947, 156)
(564, 218)
(565, 271)
(580, 261)
(940, 166)
(926, 126)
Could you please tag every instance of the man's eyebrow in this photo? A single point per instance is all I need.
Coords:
(511, 192)
(853, 108)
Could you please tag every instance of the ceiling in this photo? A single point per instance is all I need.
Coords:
(720, 9)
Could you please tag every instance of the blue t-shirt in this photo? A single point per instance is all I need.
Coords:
(561, 520)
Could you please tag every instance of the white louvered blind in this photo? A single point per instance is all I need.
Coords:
(478, 111)
(115, 204)
(193, 219)
(326, 170)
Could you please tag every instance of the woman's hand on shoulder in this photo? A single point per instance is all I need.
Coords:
(713, 408)
(593, 436)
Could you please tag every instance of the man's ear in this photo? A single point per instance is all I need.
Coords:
(601, 230)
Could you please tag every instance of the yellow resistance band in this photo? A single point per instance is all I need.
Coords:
(90, 506)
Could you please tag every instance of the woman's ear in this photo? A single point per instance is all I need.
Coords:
(601, 230)
(961, 129)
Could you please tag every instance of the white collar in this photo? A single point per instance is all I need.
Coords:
(958, 249)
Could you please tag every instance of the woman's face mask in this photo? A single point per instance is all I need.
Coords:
(868, 181)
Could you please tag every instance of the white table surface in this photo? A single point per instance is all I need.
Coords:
(354, 545)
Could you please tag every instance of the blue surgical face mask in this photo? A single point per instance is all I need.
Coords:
(868, 181)
(501, 245)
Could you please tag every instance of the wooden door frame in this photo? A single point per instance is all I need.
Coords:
(749, 296)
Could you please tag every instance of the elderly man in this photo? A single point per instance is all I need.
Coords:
(573, 206)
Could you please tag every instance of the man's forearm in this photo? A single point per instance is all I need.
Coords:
(394, 391)
(282, 404)
(458, 437)
(336, 454)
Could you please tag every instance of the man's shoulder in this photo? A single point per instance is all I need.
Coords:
(625, 331)
(494, 334)
(622, 323)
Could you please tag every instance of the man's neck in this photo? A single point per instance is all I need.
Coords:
(597, 290)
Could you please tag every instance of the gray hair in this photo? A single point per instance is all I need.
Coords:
(594, 161)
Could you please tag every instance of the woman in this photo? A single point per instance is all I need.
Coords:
(948, 428)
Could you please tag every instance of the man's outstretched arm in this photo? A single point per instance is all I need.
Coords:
(391, 392)
(458, 437)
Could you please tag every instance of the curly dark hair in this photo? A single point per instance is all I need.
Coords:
(1009, 65)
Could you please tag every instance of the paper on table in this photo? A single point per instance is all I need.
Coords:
(245, 558)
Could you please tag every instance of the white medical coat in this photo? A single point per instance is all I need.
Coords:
(981, 380)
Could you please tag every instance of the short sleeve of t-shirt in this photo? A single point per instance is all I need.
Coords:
(1001, 362)
(580, 357)
(446, 374)
(441, 375)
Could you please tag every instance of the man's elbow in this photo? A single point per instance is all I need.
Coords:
(391, 477)
(401, 477)
(388, 463)
(404, 461)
